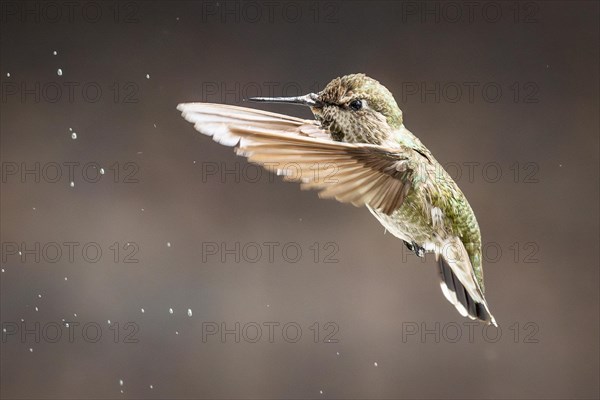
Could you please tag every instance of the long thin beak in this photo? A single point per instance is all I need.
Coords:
(311, 100)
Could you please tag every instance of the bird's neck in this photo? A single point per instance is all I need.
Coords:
(406, 138)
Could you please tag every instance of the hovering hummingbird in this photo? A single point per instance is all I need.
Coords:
(378, 163)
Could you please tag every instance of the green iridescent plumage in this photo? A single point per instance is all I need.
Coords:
(433, 186)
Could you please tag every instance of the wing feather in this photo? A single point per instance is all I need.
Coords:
(300, 150)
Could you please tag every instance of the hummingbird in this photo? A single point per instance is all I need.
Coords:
(358, 151)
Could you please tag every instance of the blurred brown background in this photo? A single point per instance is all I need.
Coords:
(490, 87)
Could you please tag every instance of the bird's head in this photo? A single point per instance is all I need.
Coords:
(354, 108)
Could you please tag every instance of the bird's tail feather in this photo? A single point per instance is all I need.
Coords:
(459, 296)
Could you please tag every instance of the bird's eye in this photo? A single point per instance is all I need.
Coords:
(356, 105)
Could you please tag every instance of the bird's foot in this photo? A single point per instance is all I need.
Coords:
(418, 250)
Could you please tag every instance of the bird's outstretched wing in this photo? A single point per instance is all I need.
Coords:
(371, 175)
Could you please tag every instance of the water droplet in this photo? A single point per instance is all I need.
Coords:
(189, 312)
(122, 391)
(194, 161)
(101, 171)
(31, 349)
(2, 269)
(74, 135)
(337, 353)
(143, 209)
(59, 72)
(155, 125)
(55, 52)
(320, 392)
(168, 244)
(39, 296)
(147, 76)
(121, 382)
(8, 74)
(151, 386)
(66, 278)
(75, 315)
(177, 332)
(4, 330)
(70, 129)
(67, 324)
(375, 364)
(72, 184)
(142, 310)
(33, 208)
(37, 309)
(20, 253)
(170, 311)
